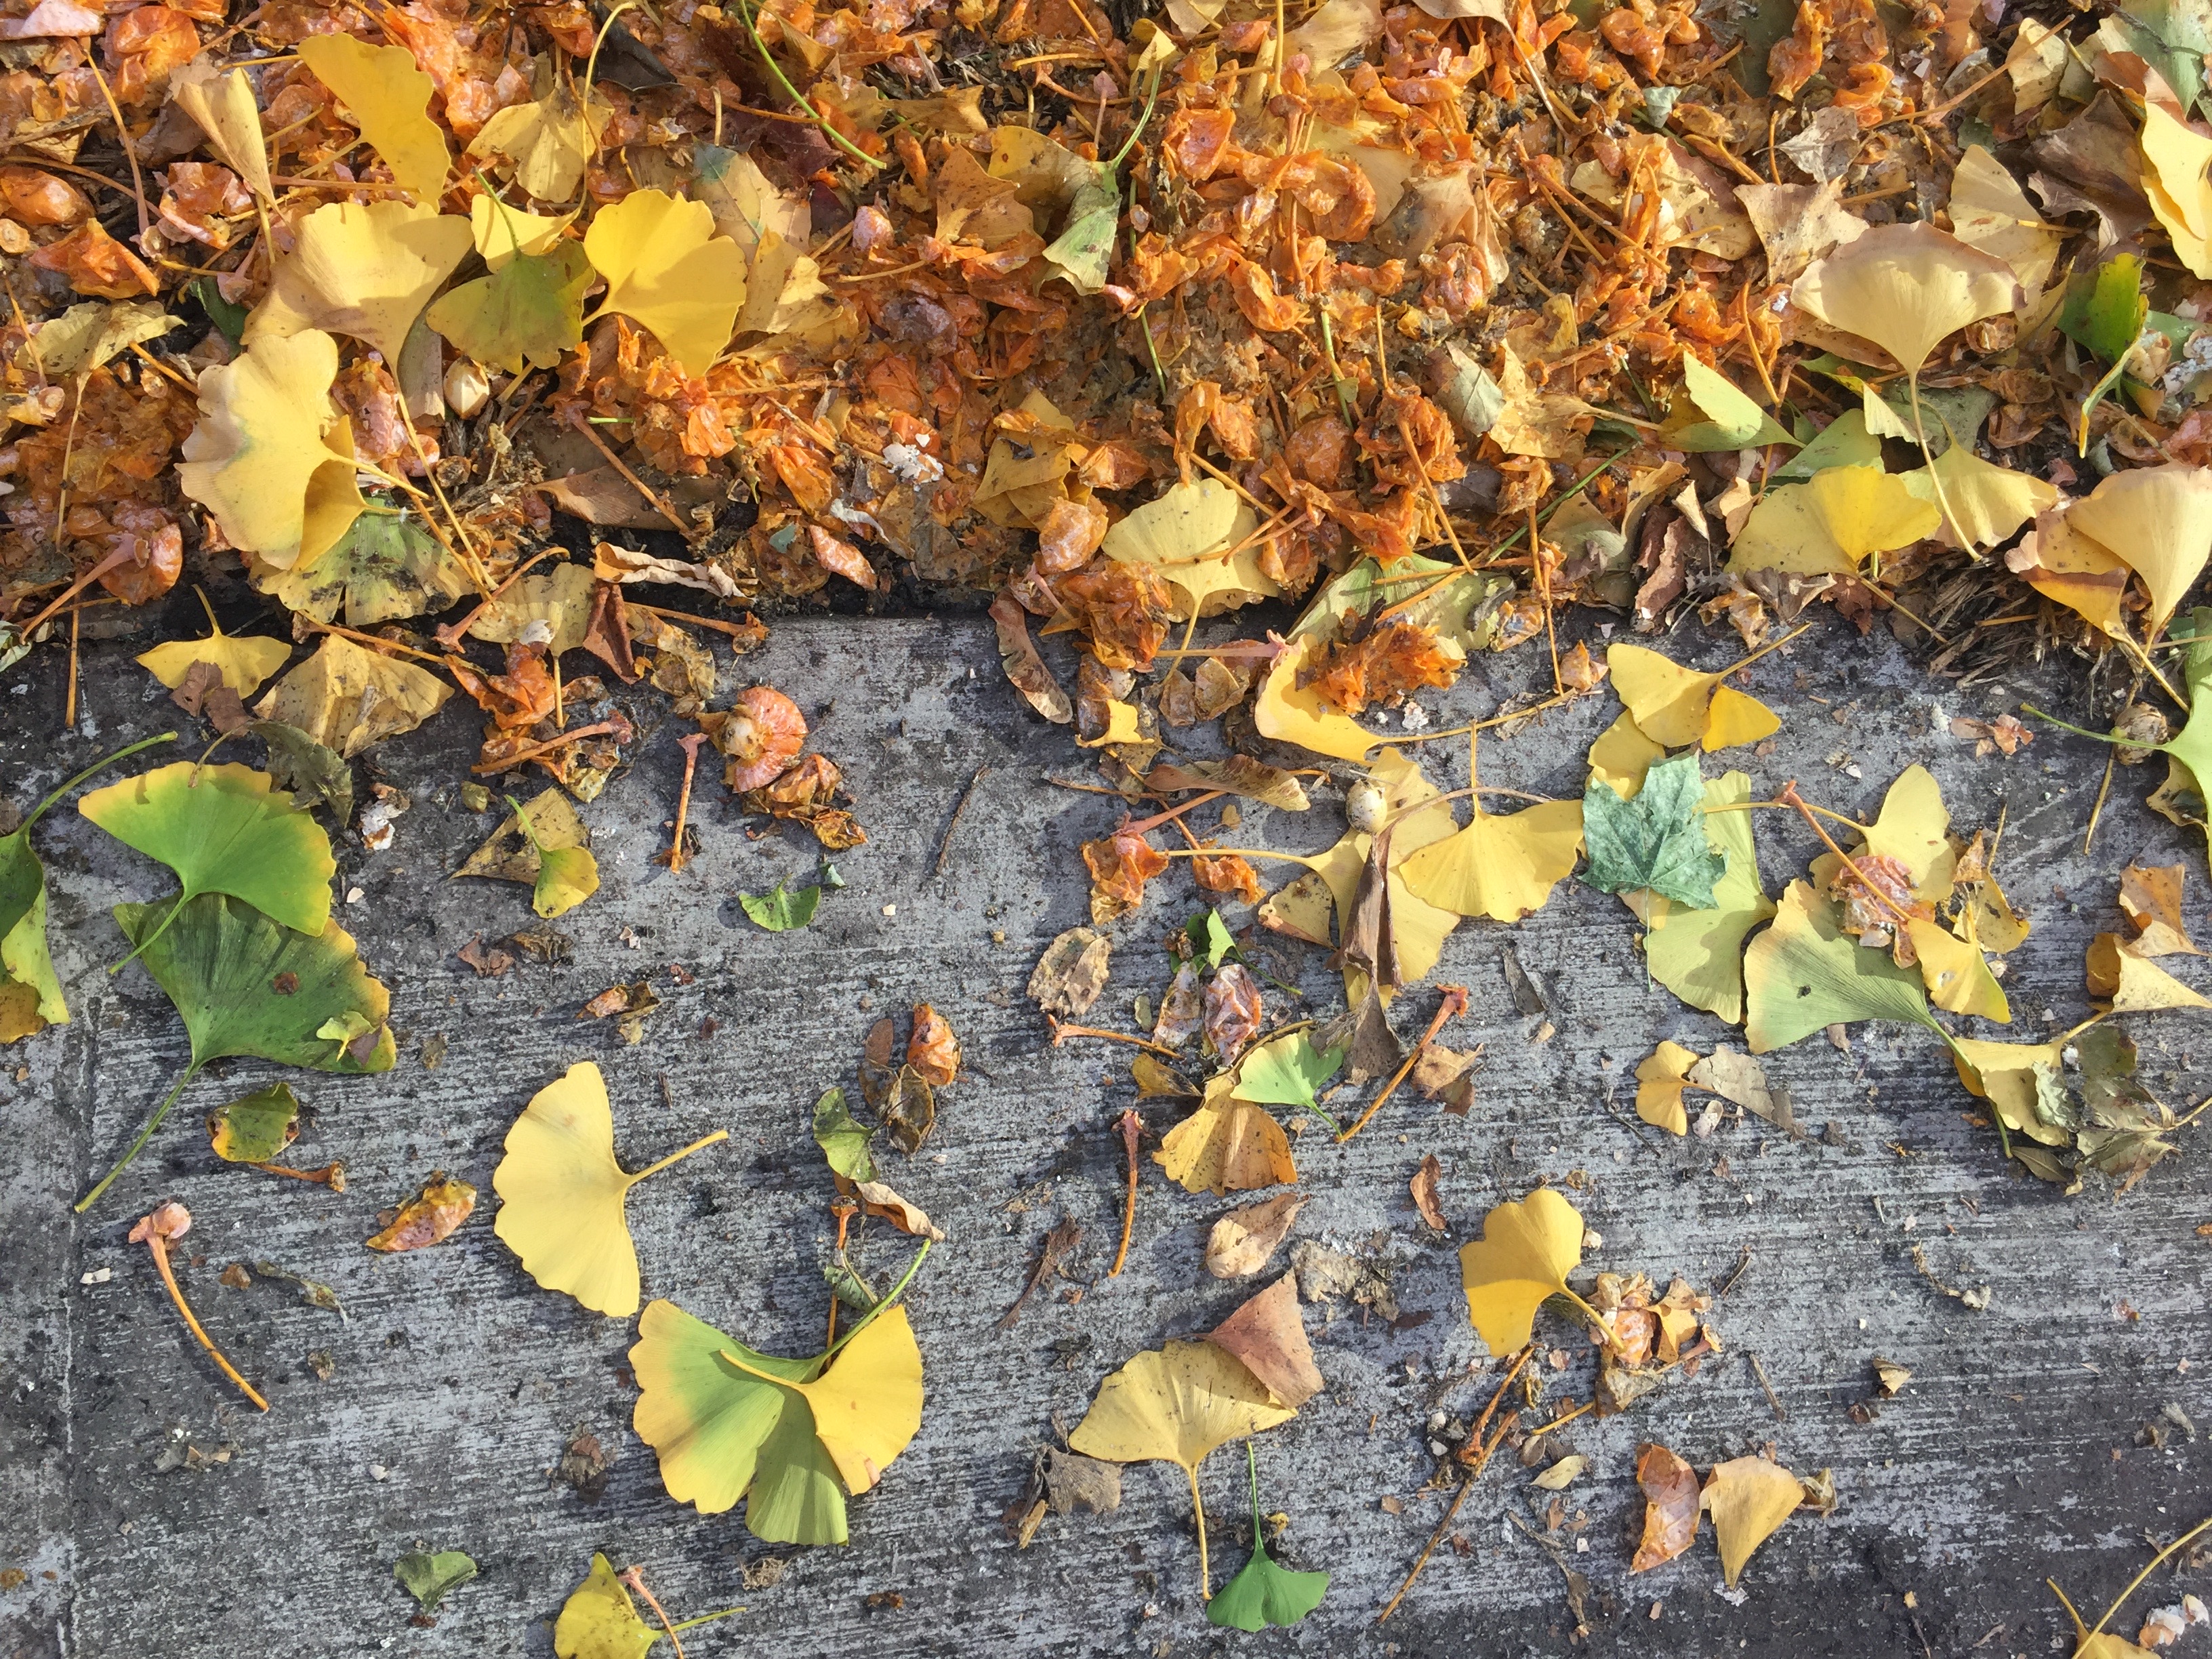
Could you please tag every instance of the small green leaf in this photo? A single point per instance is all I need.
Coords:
(567, 876)
(316, 776)
(1264, 1593)
(430, 1578)
(1844, 441)
(1286, 1071)
(1805, 973)
(1210, 940)
(527, 312)
(1655, 841)
(255, 1127)
(783, 909)
(844, 1141)
(1085, 249)
(1732, 420)
(228, 316)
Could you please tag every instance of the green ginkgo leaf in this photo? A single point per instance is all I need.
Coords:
(729, 1422)
(246, 985)
(30, 993)
(1286, 1071)
(255, 1127)
(386, 566)
(843, 1141)
(1264, 1593)
(567, 876)
(1698, 954)
(529, 312)
(223, 830)
(1805, 973)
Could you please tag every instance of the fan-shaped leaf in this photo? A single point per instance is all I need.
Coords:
(224, 830)
(389, 100)
(1525, 1254)
(667, 269)
(363, 270)
(257, 460)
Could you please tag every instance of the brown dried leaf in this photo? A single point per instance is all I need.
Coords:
(1424, 1188)
(1268, 1335)
(1245, 1240)
(1672, 1505)
(441, 1205)
(933, 1050)
(1072, 973)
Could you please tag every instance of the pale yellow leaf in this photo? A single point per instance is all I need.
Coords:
(257, 460)
(2158, 521)
(1907, 288)
(1748, 1497)
(388, 98)
(362, 270)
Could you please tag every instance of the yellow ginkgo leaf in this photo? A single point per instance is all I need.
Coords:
(1524, 1255)
(667, 269)
(1733, 717)
(366, 271)
(1988, 502)
(2177, 161)
(1912, 828)
(1786, 531)
(562, 1194)
(1991, 214)
(1291, 714)
(1747, 1497)
(1227, 1146)
(388, 98)
(2005, 1075)
(1176, 1405)
(1418, 927)
(784, 289)
(500, 231)
(1956, 973)
(1660, 1079)
(2130, 984)
(1623, 754)
(1182, 534)
(867, 1406)
(599, 1621)
(2061, 563)
(1907, 288)
(257, 460)
(222, 106)
(2158, 521)
(546, 143)
(1866, 510)
(1500, 865)
(246, 661)
(347, 697)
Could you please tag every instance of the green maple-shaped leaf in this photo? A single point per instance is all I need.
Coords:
(1805, 973)
(1286, 1071)
(386, 565)
(246, 985)
(530, 311)
(844, 1141)
(1656, 842)
(223, 830)
(30, 992)
(1698, 954)
(1264, 1593)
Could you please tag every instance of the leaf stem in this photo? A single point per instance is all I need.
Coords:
(44, 806)
(703, 1618)
(890, 1298)
(1131, 1128)
(700, 1145)
(183, 897)
(1143, 120)
(160, 1246)
(1062, 1029)
(2135, 1582)
(775, 72)
(1912, 387)
(634, 1577)
(1197, 1508)
(137, 1145)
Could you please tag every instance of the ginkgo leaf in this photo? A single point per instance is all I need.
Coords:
(224, 830)
(746, 206)
(245, 660)
(1676, 706)
(2061, 563)
(1285, 1071)
(2129, 984)
(1182, 535)
(1992, 215)
(88, 336)
(562, 1194)
(1866, 511)
(388, 98)
(363, 270)
(1524, 1255)
(546, 143)
(1804, 974)
(561, 598)
(1913, 828)
(257, 460)
(2176, 160)
(1177, 1405)
(1655, 842)
(2158, 521)
(1988, 502)
(1731, 420)
(511, 853)
(500, 231)
(222, 106)
(1698, 954)
(255, 1127)
(386, 566)
(1500, 865)
(1291, 714)
(567, 875)
(867, 1404)
(723, 1431)
(1263, 1594)
(667, 269)
(1907, 288)
(1747, 1497)
(2007, 1075)
(599, 1621)
(347, 696)
(1227, 1146)
(1661, 1077)
(524, 315)
(1623, 754)
(1956, 973)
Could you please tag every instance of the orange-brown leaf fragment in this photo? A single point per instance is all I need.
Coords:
(933, 1050)
(1423, 1189)
(1268, 1335)
(1393, 661)
(1119, 867)
(1671, 1506)
(1228, 872)
(441, 1205)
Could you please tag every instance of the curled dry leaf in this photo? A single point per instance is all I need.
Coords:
(1244, 1241)
(1671, 1507)
(933, 1050)
(2129, 984)
(2150, 899)
(878, 1199)
(431, 1216)
(1423, 1189)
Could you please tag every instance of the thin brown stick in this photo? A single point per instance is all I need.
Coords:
(844, 1212)
(944, 846)
(1454, 1005)
(1789, 798)
(1474, 1469)
(736, 630)
(130, 154)
(691, 747)
(1131, 1127)
(1061, 1031)
(450, 634)
(689, 531)
(1143, 826)
(332, 1174)
(388, 647)
(160, 1246)
(634, 1577)
(600, 729)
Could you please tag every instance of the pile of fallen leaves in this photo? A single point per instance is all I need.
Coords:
(459, 333)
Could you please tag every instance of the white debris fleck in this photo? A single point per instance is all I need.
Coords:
(97, 1276)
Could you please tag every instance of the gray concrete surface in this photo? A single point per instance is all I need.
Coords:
(2015, 1452)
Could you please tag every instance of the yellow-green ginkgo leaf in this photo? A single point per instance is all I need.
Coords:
(389, 100)
(1907, 288)
(2158, 521)
(1676, 707)
(547, 142)
(362, 269)
(224, 830)
(667, 269)
(500, 231)
(1956, 973)
(246, 661)
(386, 565)
(867, 1404)
(599, 1621)
(526, 314)
(1805, 973)
(1291, 714)
(2010, 1076)
(257, 460)
(2177, 161)
(562, 1194)
(1177, 1405)
(1988, 502)
(1183, 535)
(1500, 865)
(1913, 826)
(1524, 1255)
(1748, 1497)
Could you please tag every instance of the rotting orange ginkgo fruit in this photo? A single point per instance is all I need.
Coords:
(562, 1194)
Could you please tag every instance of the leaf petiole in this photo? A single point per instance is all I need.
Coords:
(139, 1144)
(44, 806)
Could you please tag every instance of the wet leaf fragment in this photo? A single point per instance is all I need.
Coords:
(429, 1217)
